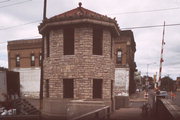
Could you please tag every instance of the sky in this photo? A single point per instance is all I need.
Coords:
(19, 20)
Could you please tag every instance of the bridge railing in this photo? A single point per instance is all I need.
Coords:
(96, 114)
(20, 117)
(167, 110)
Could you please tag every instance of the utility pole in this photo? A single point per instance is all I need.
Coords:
(44, 12)
(147, 78)
(42, 59)
(161, 58)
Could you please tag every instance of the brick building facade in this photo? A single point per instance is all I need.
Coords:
(178, 83)
(79, 61)
(24, 57)
(125, 48)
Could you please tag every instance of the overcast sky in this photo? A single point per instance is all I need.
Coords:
(19, 20)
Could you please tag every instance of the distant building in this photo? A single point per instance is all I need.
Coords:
(82, 51)
(9, 84)
(178, 83)
(24, 56)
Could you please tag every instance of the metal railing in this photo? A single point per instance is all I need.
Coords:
(95, 113)
(20, 117)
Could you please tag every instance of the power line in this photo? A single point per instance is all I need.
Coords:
(5, 28)
(155, 10)
(137, 27)
(134, 27)
(152, 26)
(4, 1)
(17, 3)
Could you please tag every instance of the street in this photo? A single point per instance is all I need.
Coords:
(176, 100)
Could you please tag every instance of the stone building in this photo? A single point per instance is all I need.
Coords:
(79, 51)
(24, 56)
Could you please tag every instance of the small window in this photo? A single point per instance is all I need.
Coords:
(97, 41)
(47, 88)
(32, 59)
(97, 88)
(68, 88)
(68, 34)
(119, 56)
(47, 45)
(17, 61)
(40, 58)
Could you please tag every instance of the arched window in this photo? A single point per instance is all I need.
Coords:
(119, 56)
(17, 61)
(32, 59)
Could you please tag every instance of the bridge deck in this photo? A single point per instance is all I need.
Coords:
(128, 114)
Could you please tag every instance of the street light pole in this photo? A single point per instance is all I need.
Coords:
(147, 83)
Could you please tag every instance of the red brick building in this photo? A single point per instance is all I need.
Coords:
(178, 83)
(24, 57)
(125, 48)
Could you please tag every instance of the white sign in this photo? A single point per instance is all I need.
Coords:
(122, 78)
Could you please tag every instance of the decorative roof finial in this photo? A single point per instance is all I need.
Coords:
(80, 4)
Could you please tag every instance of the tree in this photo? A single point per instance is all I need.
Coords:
(167, 84)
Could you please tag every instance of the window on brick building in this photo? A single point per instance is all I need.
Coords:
(47, 45)
(97, 41)
(32, 59)
(68, 34)
(97, 88)
(119, 56)
(17, 60)
(40, 58)
(68, 88)
(47, 88)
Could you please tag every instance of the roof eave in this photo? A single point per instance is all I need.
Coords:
(42, 28)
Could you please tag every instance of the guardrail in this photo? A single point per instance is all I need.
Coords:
(167, 110)
(20, 117)
(95, 114)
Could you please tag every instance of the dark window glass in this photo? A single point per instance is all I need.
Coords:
(97, 88)
(68, 34)
(17, 61)
(47, 45)
(119, 56)
(32, 59)
(47, 88)
(68, 87)
(97, 41)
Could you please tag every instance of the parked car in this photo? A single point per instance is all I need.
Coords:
(162, 94)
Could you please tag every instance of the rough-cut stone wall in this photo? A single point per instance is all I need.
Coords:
(83, 67)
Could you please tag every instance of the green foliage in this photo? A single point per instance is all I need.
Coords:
(167, 84)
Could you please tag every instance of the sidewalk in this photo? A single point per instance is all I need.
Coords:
(134, 111)
(127, 114)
